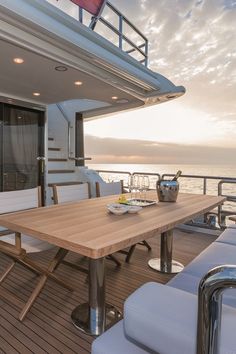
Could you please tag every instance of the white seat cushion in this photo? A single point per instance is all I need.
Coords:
(190, 283)
(228, 236)
(215, 255)
(164, 319)
(113, 341)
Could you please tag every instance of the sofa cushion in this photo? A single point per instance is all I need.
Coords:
(228, 236)
(113, 341)
(232, 226)
(162, 318)
(190, 283)
(165, 320)
(216, 254)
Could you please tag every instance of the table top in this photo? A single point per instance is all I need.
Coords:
(86, 227)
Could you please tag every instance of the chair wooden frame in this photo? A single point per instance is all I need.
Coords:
(19, 255)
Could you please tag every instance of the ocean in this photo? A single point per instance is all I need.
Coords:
(187, 185)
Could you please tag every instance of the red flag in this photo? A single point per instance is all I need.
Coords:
(92, 6)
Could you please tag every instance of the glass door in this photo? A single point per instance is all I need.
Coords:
(22, 148)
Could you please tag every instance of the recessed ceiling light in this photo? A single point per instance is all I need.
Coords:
(36, 93)
(61, 68)
(78, 83)
(18, 60)
(114, 98)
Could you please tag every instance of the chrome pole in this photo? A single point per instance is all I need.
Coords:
(165, 264)
(210, 293)
(166, 251)
(97, 303)
(95, 316)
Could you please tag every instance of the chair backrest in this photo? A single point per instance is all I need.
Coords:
(104, 189)
(71, 193)
(20, 200)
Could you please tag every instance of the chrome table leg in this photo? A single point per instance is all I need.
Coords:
(165, 264)
(95, 316)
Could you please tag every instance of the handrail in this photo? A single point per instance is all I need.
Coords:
(119, 32)
(205, 178)
(221, 215)
(210, 293)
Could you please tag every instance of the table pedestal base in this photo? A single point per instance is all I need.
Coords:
(83, 320)
(155, 263)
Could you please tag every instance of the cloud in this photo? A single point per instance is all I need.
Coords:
(109, 150)
(192, 42)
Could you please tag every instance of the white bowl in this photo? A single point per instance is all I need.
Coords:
(134, 209)
(117, 209)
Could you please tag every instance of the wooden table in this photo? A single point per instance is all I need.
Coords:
(88, 229)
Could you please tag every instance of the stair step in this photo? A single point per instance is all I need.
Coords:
(52, 159)
(61, 171)
(54, 149)
(63, 183)
(51, 139)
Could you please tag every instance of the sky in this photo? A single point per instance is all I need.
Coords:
(192, 43)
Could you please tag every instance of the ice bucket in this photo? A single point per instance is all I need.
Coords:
(167, 191)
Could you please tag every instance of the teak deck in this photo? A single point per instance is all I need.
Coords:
(48, 328)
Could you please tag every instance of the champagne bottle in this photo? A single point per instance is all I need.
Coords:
(178, 173)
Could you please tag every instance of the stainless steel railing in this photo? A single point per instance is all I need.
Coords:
(222, 212)
(139, 49)
(210, 293)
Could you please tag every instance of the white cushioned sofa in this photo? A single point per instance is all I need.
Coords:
(163, 318)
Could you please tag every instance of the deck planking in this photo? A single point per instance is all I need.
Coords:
(47, 328)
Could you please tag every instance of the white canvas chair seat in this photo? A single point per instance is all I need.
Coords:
(17, 246)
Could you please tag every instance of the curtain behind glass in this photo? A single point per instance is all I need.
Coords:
(20, 141)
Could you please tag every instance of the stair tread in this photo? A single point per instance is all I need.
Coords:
(62, 183)
(57, 159)
(61, 171)
(53, 149)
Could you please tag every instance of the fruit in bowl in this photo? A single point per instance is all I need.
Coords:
(122, 199)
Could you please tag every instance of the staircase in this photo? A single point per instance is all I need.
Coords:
(60, 169)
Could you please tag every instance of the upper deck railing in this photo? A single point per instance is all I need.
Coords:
(122, 32)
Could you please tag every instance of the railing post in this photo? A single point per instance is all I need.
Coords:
(120, 31)
(210, 293)
(204, 185)
(146, 52)
(80, 14)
